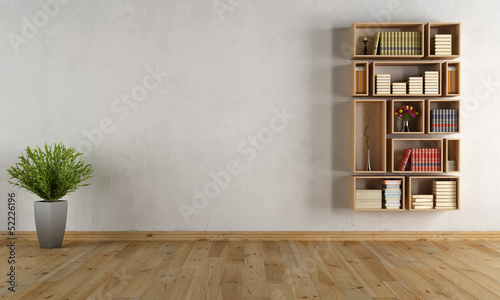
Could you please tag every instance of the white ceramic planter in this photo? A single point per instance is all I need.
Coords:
(50, 220)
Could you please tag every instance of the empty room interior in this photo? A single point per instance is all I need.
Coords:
(232, 149)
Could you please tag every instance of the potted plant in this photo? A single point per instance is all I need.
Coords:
(50, 173)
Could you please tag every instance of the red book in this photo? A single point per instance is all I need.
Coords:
(417, 160)
(404, 160)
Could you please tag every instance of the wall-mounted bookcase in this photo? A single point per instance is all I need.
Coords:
(394, 125)
(441, 196)
(373, 184)
(451, 155)
(423, 159)
(451, 78)
(401, 72)
(425, 149)
(453, 29)
(363, 111)
(359, 31)
(359, 79)
(443, 116)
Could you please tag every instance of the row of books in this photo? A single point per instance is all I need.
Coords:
(441, 44)
(444, 120)
(397, 43)
(391, 193)
(421, 159)
(361, 87)
(445, 194)
(426, 84)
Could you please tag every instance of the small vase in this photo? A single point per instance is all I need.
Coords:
(405, 127)
(368, 165)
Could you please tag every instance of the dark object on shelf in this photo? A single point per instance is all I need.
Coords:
(365, 40)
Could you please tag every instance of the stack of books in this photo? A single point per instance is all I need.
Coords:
(416, 85)
(422, 201)
(445, 194)
(383, 84)
(451, 165)
(441, 44)
(431, 82)
(391, 193)
(444, 120)
(399, 88)
(371, 199)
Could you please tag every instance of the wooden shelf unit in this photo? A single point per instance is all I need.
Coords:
(368, 29)
(416, 125)
(377, 132)
(452, 28)
(441, 104)
(396, 147)
(359, 81)
(417, 185)
(374, 182)
(451, 152)
(400, 72)
(451, 80)
(386, 152)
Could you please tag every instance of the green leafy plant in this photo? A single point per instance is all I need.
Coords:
(51, 172)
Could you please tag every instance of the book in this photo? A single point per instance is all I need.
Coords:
(452, 80)
(376, 43)
(404, 160)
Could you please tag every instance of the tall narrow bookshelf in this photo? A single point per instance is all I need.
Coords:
(423, 155)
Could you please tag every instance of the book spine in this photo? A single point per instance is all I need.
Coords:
(439, 159)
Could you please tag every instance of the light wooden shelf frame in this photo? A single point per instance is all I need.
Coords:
(416, 185)
(361, 30)
(374, 182)
(401, 71)
(377, 110)
(441, 104)
(417, 125)
(396, 147)
(434, 28)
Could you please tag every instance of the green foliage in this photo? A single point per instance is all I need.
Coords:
(51, 172)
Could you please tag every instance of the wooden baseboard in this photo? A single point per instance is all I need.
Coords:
(93, 236)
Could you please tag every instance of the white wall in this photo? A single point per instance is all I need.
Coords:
(231, 66)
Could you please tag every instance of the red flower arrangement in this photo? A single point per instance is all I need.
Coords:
(406, 113)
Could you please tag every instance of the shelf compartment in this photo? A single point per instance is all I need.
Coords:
(452, 153)
(361, 30)
(400, 72)
(418, 185)
(374, 183)
(416, 125)
(396, 148)
(443, 104)
(359, 79)
(376, 109)
(452, 28)
(451, 79)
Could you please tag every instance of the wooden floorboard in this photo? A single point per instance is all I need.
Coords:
(274, 270)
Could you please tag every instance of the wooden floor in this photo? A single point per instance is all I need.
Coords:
(255, 270)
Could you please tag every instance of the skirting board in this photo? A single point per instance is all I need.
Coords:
(233, 236)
